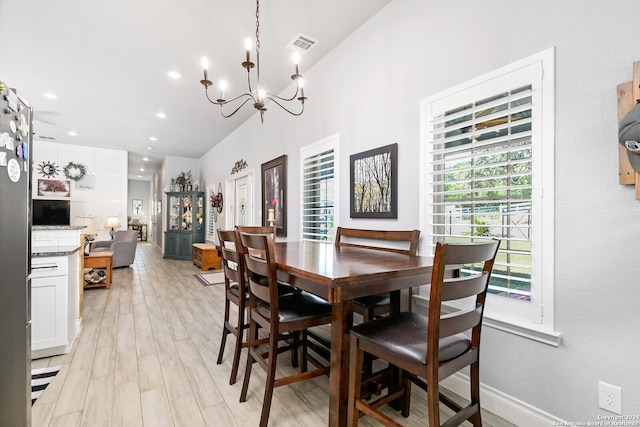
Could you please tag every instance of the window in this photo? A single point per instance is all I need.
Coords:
(319, 189)
(488, 154)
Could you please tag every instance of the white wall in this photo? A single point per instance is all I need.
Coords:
(103, 190)
(368, 90)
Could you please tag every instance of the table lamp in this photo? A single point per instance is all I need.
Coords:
(112, 222)
(89, 231)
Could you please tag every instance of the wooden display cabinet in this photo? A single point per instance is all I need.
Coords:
(185, 223)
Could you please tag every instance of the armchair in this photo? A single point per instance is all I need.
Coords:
(123, 247)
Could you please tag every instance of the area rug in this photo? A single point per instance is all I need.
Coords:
(40, 379)
(208, 279)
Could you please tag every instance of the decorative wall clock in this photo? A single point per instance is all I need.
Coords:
(48, 169)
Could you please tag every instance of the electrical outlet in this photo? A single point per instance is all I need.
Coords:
(610, 397)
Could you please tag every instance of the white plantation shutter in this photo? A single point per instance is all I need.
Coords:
(319, 190)
(487, 155)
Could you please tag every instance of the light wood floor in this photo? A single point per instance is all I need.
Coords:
(147, 357)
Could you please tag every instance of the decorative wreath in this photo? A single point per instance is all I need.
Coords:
(216, 201)
(75, 171)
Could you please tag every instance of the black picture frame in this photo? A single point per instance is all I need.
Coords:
(274, 193)
(374, 183)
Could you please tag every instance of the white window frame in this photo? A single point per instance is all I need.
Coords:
(533, 319)
(330, 143)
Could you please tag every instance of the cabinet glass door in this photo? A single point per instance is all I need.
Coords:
(187, 213)
(174, 213)
(199, 209)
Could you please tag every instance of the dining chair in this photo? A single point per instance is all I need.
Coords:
(281, 316)
(398, 241)
(236, 293)
(429, 348)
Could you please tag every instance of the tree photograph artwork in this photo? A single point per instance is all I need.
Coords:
(374, 183)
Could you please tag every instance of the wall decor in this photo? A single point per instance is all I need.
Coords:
(274, 194)
(48, 169)
(75, 171)
(136, 207)
(53, 188)
(240, 164)
(217, 202)
(374, 183)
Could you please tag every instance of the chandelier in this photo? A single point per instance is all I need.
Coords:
(256, 94)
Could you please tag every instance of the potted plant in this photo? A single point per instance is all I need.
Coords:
(182, 179)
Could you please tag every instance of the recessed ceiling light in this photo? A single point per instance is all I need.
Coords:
(149, 148)
(73, 133)
(139, 175)
(50, 95)
(141, 169)
(146, 159)
(174, 74)
(153, 138)
(161, 115)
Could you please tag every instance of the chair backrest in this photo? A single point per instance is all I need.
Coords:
(260, 264)
(379, 239)
(126, 236)
(257, 229)
(232, 259)
(475, 261)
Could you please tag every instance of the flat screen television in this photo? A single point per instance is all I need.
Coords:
(51, 212)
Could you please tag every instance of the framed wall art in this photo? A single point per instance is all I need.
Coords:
(274, 194)
(374, 183)
(54, 188)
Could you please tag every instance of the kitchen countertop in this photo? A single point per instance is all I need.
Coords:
(57, 227)
(48, 251)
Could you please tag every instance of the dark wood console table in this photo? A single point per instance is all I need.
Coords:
(141, 228)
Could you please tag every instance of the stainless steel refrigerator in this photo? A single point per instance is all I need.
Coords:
(15, 258)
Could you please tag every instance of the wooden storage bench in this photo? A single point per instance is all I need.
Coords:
(206, 256)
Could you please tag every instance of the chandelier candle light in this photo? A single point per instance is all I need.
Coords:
(258, 95)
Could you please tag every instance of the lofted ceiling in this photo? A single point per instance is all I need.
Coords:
(108, 62)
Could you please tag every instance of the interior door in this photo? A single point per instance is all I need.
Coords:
(240, 208)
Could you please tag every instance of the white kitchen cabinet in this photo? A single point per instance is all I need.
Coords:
(49, 303)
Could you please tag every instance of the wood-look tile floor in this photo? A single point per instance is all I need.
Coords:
(146, 356)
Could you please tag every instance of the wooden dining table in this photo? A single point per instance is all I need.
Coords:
(340, 274)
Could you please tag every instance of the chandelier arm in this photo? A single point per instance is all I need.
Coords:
(286, 109)
(274, 96)
(227, 101)
(236, 110)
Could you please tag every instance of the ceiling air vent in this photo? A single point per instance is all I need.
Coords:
(47, 138)
(302, 43)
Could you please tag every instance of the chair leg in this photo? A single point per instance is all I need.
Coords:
(474, 379)
(225, 331)
(253, 330)
(271, 378)
(303, 352)
(405, 401)
(367, 366)
(238, 347)
(433, 402)
(355, 378)
(294, 350)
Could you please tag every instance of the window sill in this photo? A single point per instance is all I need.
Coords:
(510, 325)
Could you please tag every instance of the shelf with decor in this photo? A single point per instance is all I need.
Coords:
(185, 223)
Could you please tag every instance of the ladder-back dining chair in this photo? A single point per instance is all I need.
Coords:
(236, 293)
(429, 348)
(281, 316)
(398, 241)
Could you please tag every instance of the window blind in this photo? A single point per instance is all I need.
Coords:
(480, 178)
(318, 196)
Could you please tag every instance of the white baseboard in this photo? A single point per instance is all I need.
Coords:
(501, 404)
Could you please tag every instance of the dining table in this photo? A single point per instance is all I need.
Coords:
(339, 274)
